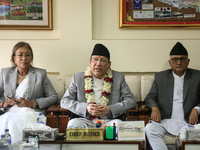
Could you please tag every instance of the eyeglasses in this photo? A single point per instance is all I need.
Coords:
(102, 61)
(182, 59)
(21, 55)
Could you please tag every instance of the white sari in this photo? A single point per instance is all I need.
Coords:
(22, 89)
(17, 119)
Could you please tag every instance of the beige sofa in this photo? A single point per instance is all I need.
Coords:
(139, 83)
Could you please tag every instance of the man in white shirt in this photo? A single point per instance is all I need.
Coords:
(174, 99)
(97, 93)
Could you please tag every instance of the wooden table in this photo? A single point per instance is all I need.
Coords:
(187, 145)
(101, 145)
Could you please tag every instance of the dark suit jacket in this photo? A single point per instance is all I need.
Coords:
(161, 93)
(40, 87)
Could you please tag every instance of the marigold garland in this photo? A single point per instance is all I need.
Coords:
(89, 93)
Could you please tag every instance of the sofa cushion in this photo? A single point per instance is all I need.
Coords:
(58, 84)
(146, 83)
(135, 85)
(67, 82)
(170, 139)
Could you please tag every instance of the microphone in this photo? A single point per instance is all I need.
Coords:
(98, 124)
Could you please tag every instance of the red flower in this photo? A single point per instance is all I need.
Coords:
(105, 94)
(92, 117)
(88, 91)
(87, 77)
(108, 79)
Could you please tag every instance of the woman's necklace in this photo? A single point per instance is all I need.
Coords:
(21, 76)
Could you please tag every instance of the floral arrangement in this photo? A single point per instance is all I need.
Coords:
(89, 93)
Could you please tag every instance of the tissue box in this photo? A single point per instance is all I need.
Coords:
(192, 134)
(44, 135)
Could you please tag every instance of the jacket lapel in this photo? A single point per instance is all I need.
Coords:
(32, 78)
(170, 86)
(186, 85)
(13, 81)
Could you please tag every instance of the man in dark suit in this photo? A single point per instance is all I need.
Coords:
(174, 99)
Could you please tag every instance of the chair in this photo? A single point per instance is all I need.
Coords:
(58, 117)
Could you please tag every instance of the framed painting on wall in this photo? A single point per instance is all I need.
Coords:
(159, 14)
(26, 15)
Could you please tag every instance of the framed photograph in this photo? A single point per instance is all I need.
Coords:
(26, 15)
(131, 130)
(159, 14)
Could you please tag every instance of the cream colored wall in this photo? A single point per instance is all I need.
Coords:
(80, 24)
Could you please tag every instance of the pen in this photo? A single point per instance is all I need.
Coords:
(11, 98)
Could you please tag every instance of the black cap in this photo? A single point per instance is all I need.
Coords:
(178, 49)
(101, 50)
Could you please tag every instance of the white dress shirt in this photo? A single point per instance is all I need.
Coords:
(98, 88)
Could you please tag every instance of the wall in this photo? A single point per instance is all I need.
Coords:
(80, 24)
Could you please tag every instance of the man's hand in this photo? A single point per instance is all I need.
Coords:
(93, 109)
(104, 109)
(97, 110)
(155, 115)
(193, 116)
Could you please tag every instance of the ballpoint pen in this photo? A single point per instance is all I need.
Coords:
(11, 99)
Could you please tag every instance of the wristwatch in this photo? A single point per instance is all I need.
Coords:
(35, 104)
(110, 114)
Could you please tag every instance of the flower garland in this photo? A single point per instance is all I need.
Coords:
(89, 93)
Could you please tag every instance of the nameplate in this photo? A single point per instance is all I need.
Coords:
(131, 130)
(84, 134)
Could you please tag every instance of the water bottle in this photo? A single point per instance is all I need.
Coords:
(40, 119)
(8, 136)
(3, 143)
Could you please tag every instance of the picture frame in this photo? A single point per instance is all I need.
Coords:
(158, 14)
(26, 15)
(131, 130)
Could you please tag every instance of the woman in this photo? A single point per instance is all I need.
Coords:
(24, 85)
(24, 91)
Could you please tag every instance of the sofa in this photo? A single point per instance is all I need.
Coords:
(139, 83)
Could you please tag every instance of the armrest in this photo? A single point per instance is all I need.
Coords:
(132, 110)
(143, 113)
(178, 144)
(56, 108)
(53, 108)
(52, 115)
(143, 108)
(63, 119)
(132, 114)
(62, 110)
(58, 117)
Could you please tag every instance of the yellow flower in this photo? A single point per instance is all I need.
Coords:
(88, 83)
(89, 97)
(107, 87)
(88, 71)
(104, 100)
